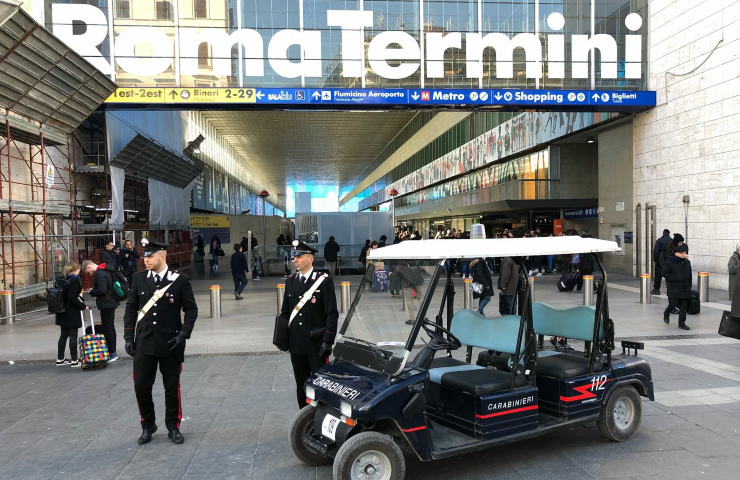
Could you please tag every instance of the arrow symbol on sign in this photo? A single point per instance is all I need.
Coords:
(596, 97)
(260, 95)
(316, 95)
(415, 96)
(498, 96)
(173, 94)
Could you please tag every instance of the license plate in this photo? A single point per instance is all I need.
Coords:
(329, 427)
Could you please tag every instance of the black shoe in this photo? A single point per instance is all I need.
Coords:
(655, 291)
(666, 320)
(675, 311)
(176, 436)
(684, 327)
(146, 435)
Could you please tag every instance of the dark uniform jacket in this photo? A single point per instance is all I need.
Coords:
(102, 288)
(677, 274)
(73, 304)
(317, 320)
(162, 322)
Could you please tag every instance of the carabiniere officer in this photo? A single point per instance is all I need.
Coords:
(312, 330)
(155, 336)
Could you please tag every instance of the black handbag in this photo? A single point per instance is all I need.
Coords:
(280, 335)
(220, 252)
(729, 326)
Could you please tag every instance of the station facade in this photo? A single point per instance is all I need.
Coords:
(523, 166)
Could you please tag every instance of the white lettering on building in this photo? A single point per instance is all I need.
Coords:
(399, 48)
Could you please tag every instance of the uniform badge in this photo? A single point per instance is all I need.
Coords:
(313, 300)
(172, 300)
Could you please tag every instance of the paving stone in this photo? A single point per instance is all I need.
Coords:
(557, 474)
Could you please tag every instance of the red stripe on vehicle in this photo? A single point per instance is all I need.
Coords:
(507, 412)
(585, 394)
(407, 430)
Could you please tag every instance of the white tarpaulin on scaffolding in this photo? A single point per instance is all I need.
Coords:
(169, 207)
(117, 178)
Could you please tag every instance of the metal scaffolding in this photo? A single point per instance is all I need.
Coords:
(27, 210)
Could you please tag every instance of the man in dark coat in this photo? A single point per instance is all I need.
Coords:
(239, 270)
(659, 257)
(155, 336)
(109, 257)
(331, 254)
(508, 281)
(314, 326)
(128, 258)
(677, 274)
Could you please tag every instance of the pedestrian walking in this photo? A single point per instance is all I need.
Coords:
(660, 256)
(239, 270)
(128, 258)
(677, 274)
(70, 320)
(412, 281)
(508, 281)
(362, 260)
(732, 267)
(482, 275)
(155, 336)
(331, 254)
(311, 303)
(102, 291)
(215, 247)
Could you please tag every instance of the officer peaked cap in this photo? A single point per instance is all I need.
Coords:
(300, 248)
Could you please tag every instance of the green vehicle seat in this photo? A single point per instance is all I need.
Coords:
(475, 330)
(574, 323)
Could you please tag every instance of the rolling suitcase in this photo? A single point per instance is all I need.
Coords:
(567, 282)
(93, 349)
(694, 304)
(380, 281)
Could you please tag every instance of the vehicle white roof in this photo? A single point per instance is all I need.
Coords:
(498, 247)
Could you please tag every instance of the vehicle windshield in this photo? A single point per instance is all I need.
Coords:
(388, 302)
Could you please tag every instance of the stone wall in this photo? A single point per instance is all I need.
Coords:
(690, 143)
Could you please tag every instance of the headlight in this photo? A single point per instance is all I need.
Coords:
(310, 392)
(345, 409)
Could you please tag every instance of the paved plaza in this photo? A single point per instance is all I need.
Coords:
(238, 400)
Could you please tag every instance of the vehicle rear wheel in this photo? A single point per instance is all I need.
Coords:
(369, 456)
(621, 414)
(303, 423)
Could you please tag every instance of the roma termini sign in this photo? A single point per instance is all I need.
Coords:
(390, 54)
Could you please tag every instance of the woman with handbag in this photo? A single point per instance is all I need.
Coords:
(215, 247)
(482, 283)
(677, 274)
(70, 320)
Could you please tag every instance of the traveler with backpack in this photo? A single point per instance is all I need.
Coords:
(107, 301)
(69, 318)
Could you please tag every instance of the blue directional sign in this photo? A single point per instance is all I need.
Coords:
(530, 99)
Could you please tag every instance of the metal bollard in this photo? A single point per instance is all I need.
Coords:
(345, 296)
(467, 294)
(280, 295)
(702, 284)
(645, 288)
(215, 301)
(531, 288)
(588, 290)
(7, 307)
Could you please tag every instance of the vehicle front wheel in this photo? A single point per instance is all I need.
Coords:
(621, 414)
(303, 423)
(369, 456)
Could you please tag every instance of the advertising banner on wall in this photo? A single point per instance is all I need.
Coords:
(199, 191)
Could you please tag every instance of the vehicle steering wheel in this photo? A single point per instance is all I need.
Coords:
(438, 341)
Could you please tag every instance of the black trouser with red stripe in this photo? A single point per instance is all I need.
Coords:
(303, 367)
(145, 372)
